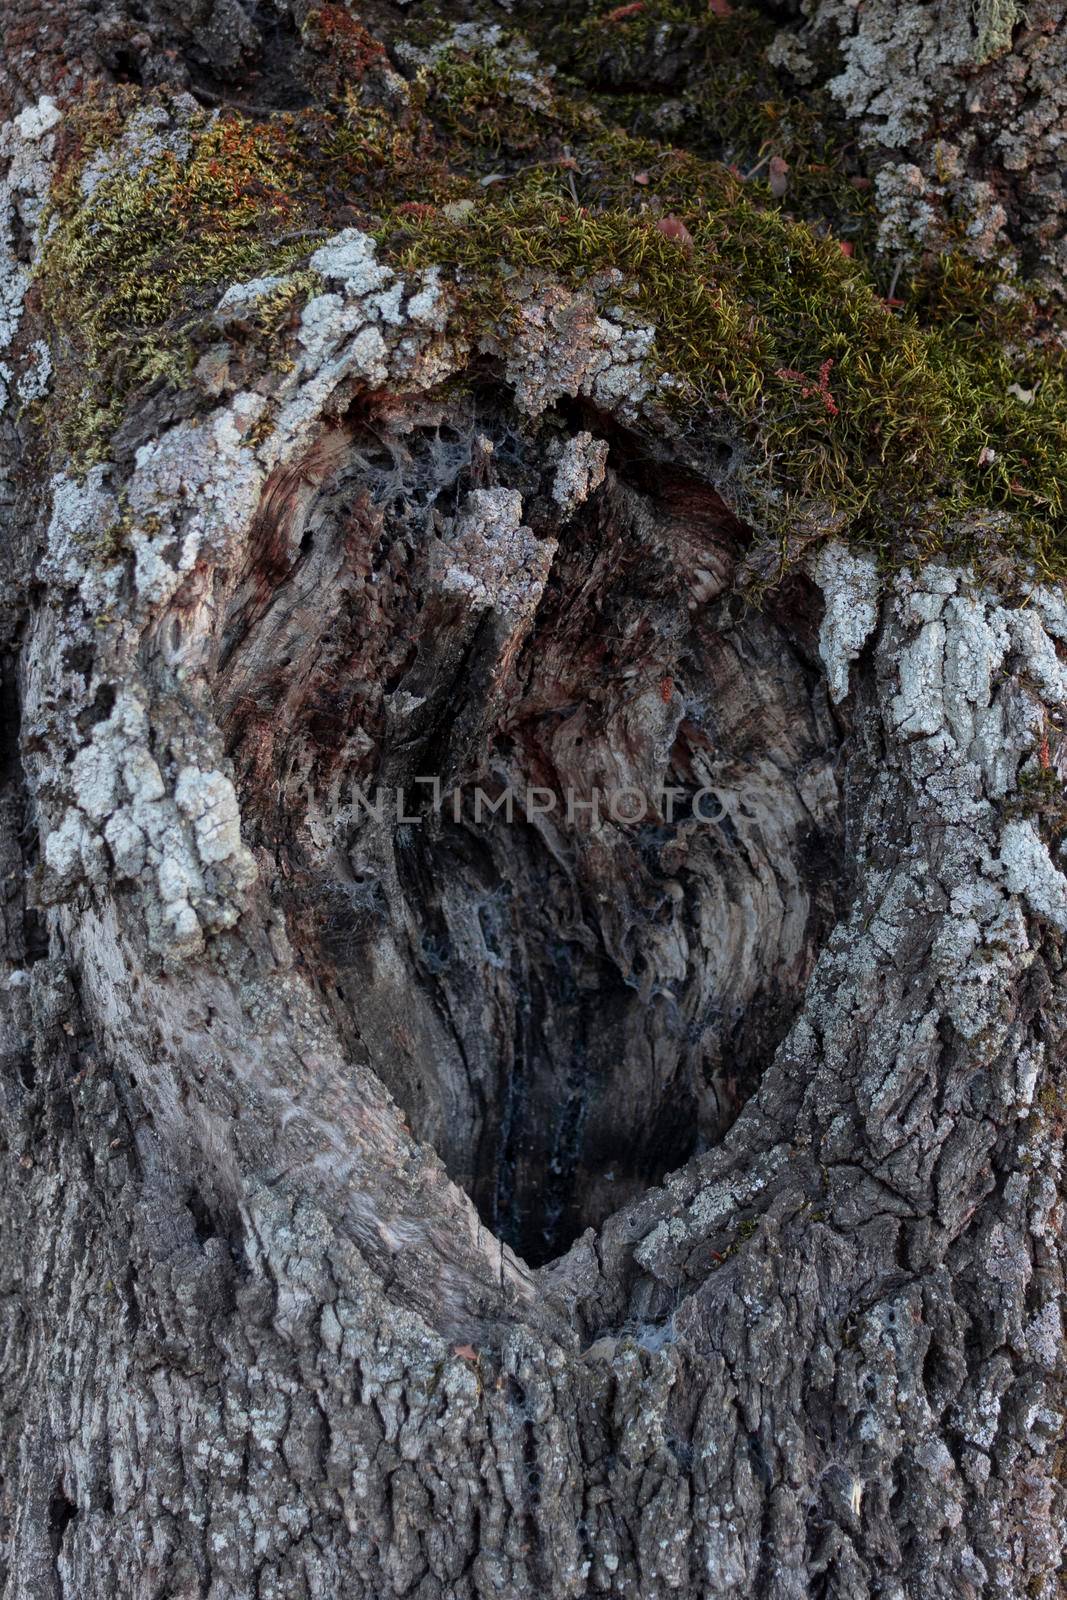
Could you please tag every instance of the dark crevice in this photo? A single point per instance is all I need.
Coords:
(130, 1299)
(567, 1012)
(24, 926)
(61, 1513)
(203, 1222)
(99, 708)
(268, 78)
(10, 718)
(35, 934)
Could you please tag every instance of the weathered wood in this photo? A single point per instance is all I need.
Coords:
(467, 1207)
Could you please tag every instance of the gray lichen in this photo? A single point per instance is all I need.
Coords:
(581, 469)
(971, 106)
(491, 559)
(26, 146)
(850, 585)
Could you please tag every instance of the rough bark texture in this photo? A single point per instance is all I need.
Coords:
(338, 1256)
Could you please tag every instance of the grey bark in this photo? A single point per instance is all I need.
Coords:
(465, 1209)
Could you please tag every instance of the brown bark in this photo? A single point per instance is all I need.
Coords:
(464, 1208)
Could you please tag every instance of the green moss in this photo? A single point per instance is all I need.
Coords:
(343, 40)
(847, 405)
(365, 158)
(135, 260)
(1052, 1101)
(654, 42)
(675, 69)
(128, 267)
(488, 102)
(1041, 799)
(935, 421)
(994, 22)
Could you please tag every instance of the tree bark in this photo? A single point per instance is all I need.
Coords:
(426, 1203)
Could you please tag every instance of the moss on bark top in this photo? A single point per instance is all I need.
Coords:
(933, 418)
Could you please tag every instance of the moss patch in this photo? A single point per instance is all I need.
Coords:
(490, 103)
(936, 420)
(885, 430)
(699, 76)
(130, 263)
(140, 247)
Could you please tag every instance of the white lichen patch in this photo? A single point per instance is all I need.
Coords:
(349, 259)
(716, 1208)
(960, 645)
(976, 639)
(562, 345)
(428, 306)
(184, 849)
(372, 328)
(580, 471)
(965, 99)
(1038, 652)
(193, 491)
(36, 376)
(850, 586)
(1052, 609)
(906, 203)
(916, 211)
(976, 681)
(26, 146)
(66, 847)
(242, 300)
(492, 558)
(1028, 871)
(83, 514)
(894, 56)
(328, 321)
(33, 122)
(918, 708)
(152, 133)
(209, 802)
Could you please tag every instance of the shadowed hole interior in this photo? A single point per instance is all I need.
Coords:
(565, 1008)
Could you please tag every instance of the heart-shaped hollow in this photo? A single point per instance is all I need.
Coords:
(554, 812)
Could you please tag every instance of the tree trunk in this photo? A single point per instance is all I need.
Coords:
(533, 1019)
